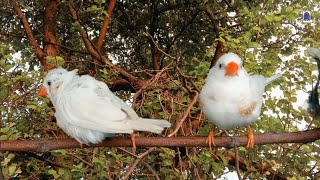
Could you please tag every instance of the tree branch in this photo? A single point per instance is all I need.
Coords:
(258, 165)
(220, 47)
(105, 25)
(140, 158)
(195, 98)
(87, 42)
(199, 141)
(50, 28)
(39, 52)
(95, 54)
(218, 53)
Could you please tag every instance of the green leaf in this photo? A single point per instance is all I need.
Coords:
(3, 93)
(289, 9)
(97, 160)
(277, 18)
(256, 28)
(31, 106)
(54, 173)
(12, 169)
(7, 67)
(167, 162)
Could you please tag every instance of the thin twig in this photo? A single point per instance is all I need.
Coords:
(236, 154)
(150, 83)
(166, 54)
(139, 158)
(79, 158)
(195, 98)
(183, 75)
(151, 170)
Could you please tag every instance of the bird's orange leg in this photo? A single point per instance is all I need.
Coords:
(133, 140)
(210, 139)
(250, 138)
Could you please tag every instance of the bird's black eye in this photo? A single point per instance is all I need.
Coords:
(49, 83)
(220, 66)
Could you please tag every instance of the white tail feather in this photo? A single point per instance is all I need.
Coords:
(273, 78)
(314, 52)
(150, 125)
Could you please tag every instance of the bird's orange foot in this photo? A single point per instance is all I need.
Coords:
(210, 139)
(250, 143)
(133, 140)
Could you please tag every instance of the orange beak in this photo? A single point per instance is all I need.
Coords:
(232, 69)
(42, 92)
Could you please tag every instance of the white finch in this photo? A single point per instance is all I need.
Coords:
(88, 111)
(231, 97)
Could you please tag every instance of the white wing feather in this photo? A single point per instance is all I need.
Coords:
(82, 106)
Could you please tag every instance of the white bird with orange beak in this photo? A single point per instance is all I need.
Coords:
(88, 111)
(232, 98)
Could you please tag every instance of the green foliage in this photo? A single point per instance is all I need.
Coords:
(56, 60)
(269, 36)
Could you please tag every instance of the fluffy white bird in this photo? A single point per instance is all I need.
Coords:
(88, 111)
(231, 97)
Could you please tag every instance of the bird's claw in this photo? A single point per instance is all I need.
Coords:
(133, 140)
(210, 139)
(250, 143)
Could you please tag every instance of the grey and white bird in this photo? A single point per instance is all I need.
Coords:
(231, 97)
(88, 111)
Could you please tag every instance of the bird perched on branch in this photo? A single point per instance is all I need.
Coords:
(313, 100)
(231, 97)
(88, 111)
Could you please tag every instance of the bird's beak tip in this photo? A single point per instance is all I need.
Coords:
(42, 92)
(232, 69)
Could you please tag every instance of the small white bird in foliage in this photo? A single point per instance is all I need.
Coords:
(231, 97)
(88, 111)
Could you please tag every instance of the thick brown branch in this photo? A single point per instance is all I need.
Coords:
(39, 52)
(259, 139)
(105, 25)
(218, 53)
(50, 28)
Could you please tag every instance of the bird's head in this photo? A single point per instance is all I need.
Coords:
(229, 65)
(53, 80)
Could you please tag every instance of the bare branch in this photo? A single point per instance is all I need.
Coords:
(243, 165)
(105, 25)
(218, 53)
(139, 158)
(89, 45)
(95, 54)
(195, 98)
(39, 52)
(199, 141)
(50, 28)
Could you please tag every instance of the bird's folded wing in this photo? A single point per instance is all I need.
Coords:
(83, 107)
